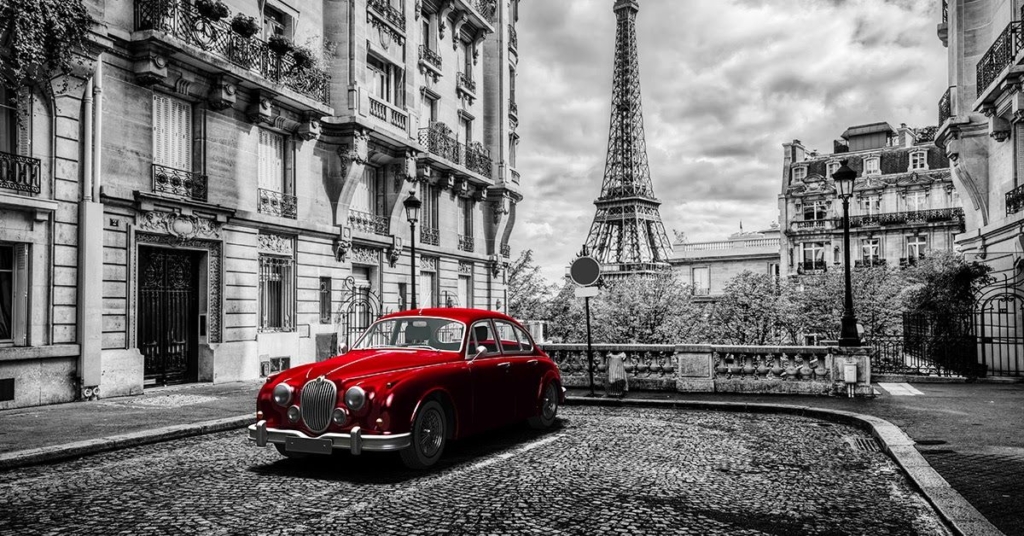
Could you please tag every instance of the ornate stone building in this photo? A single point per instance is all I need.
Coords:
(212, 199)
(709, 266)
(981, 131)
(904, 204)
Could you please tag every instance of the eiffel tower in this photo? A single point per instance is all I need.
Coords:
(627, 236)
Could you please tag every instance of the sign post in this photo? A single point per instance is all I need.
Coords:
(585, 271)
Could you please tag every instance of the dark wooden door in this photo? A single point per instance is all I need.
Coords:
(168, 311)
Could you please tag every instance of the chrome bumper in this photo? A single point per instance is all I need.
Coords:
(355, 441)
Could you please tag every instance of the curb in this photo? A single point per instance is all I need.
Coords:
(24, 458)
(959, 514)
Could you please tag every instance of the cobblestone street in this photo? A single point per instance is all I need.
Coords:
(604, 470)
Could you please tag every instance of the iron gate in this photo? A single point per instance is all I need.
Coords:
(168, 310)
(360, 307)
(1000, 326)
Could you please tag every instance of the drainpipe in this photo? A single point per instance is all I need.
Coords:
(87, 142)
(97, 146)
(90, 250)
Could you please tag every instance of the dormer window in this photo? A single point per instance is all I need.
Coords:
(831, 168)
(918, 160)
(800, 173)
(871, 166)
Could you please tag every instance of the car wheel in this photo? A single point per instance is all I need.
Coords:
(429, 434)
(293, 455)
(548, 408)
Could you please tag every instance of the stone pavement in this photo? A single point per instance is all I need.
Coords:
(969, 433)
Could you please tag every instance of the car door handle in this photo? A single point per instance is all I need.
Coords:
(505, 365)
(531, 362)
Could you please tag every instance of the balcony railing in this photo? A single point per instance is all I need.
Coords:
(812, 224)
(277, 204)
(913, 216)
(945, 106)
(999, 55)
(701, 291)
(369, 223)
(811, 267)
(466, 82)
(388, 12)
(487, 9)
(868, 262)
(478, 159)
(467, 243)
(513, 39)
(19, 173)
(388, 113)
(438, 141)
(506, 250)
(513, 108)
(179, 182)
(1015, 200)
(429, 56)
(430, 235)
(182, 20)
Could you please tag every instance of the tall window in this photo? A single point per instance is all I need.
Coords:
(465, 59)
(429, 216)
(513, 142)
(427, 290)
(13, 294)
(813, 254)
(466, 126)
(916, 246)
(8, 122)
(799, 173)
(870, 205)
(386, 80)
(428, 108)
(871, 166)
(815, 210)
(466, 211)
(465, 291)
(702, 280)
(277, 293)
(773, 269)
(172, 132)
(916, 201)
(919, 160)
(325, 300)
(369, 196)
(512, 84)
(869, 250)
(274, 22)
(272, 161)
(426, 36)
(403, 296)
(831, 168)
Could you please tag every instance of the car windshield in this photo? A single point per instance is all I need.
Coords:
(414, 332)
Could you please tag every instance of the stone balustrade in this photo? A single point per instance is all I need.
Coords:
(809, 370)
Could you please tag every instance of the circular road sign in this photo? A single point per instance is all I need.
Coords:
(585, 271)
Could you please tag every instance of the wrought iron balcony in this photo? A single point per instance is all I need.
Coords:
(438, 141)
(369, 223)
(430, 235)
(513, 39)
(430, 57)
(277, 204)
(945, 106)
(701, 291)
(999, 56)
(182, 20)
(478, 159)
(179, 182)
(506, 251)
(388, 12)
(487, 8)
(19, 173)
(813, 224)
(1015, 200)
(913, 216)
(467, 243)
(811, 267)
(466, 82)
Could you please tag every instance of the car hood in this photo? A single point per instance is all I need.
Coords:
(360, 363)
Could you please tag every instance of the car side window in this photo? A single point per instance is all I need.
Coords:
(482, 335)
(524, 340)
(507, 336)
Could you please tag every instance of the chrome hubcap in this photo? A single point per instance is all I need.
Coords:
(550, 404)
(431, 432)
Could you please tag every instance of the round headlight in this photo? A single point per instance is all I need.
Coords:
(339, 416)
(293, 414)
(282, 394)
(355, 397)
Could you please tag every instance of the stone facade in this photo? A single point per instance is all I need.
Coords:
(904, 203)
(981, 130)
(709, 266)
(211, 208)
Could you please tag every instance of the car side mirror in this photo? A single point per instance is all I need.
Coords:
(480, 350)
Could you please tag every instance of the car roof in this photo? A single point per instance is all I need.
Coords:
(455, 313)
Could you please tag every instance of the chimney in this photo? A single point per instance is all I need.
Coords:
(792, 152)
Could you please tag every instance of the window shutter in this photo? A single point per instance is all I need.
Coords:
(183, 134)
(24, 124)
(262, 159)
(20, 317)
(160, 129)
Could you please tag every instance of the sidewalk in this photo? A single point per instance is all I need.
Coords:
(971, 434)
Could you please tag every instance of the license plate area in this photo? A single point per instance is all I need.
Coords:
(307, 446)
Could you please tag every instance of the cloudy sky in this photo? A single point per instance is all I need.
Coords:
(724, 84)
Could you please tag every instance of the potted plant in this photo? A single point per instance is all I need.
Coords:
(280, 44)
(212, 9)
(303, 58)
(244, 25)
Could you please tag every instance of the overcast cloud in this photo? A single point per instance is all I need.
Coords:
(724, 84)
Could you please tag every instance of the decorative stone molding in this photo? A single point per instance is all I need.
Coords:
(480, 193)
(465, 267)
(478, 39)
(500, 208)
(395, 251)
(495, 266)
(356, 153)
(365, 255)
(423, 172)
(261, 108)
(342, 243)
(150, 68)
(181, 227)
(447, 6)
(309, 128)
(462, 187)
(222, 93)
(428, 263)
(457, 22)
(276, 244)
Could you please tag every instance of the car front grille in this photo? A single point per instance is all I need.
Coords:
(319, 397)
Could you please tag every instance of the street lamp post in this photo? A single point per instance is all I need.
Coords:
(412, 213)
(844, 178)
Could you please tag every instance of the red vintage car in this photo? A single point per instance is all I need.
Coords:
(413, 381)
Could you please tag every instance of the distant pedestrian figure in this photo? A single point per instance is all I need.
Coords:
(616, 385)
